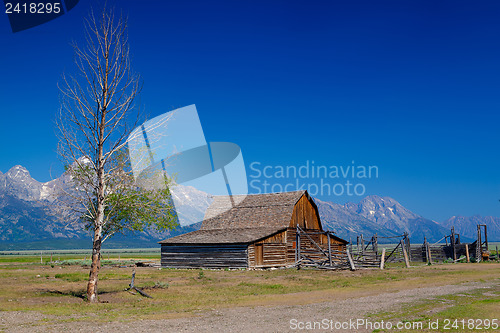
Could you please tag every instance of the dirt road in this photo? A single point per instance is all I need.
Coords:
(281, 318)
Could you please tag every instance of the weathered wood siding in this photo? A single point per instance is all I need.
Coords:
(210, 256)
(272, 249)
(305, 215)
(273, 255)
(440, 252)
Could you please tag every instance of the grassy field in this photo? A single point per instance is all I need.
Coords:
(57, 289)
(47, 257)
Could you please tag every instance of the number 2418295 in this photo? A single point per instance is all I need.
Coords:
(33, 8)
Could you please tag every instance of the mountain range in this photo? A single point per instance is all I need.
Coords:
(27, 218)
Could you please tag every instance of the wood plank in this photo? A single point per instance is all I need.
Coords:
(353, 268)
(382, 259)
(407, 262)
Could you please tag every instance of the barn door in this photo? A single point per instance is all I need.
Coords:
(259, 255)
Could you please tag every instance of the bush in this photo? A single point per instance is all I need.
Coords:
(161, 285)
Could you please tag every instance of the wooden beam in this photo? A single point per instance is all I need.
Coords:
(452, 241)
(353, 268)
(382, 259)
(393, 251)
(362, 245)
(467, 252)
(407, 262)
(479, 244)
(429, 256)
(486, 237)
(296, 245)
(407, 244)
(313, 242)
(329, 248)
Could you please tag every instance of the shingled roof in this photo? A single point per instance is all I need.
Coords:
(251, 218)
(222, 236)
(252, 211)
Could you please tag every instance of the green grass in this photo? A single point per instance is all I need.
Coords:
(72, 277)
(68, 257)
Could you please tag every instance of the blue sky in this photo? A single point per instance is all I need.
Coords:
(411, 87)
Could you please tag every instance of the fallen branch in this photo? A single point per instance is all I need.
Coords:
(132, 287)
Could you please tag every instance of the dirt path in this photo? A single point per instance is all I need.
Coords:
(247, 319)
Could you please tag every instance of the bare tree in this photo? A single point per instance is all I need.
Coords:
(93, 126)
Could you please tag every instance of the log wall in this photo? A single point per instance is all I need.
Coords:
(209, 256)
(273, 255)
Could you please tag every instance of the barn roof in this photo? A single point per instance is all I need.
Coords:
(273, 210)
(222, 236)
(243, 219)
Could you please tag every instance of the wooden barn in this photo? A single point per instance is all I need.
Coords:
(259, 231)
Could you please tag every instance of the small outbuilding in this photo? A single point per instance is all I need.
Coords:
(252, 231)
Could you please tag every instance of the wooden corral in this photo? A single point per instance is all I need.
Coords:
(320, 249)
(368, 254)
(254, 231)
(454, 249)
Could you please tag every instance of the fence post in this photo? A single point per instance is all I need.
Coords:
(429, 253)
(424, 249)
(329, 248)
(479, 245)
(351, 262)
(296, 245)
(382, 259)
(407, 244)
(467, 252)
(452, 241)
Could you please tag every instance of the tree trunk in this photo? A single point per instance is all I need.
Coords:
(95, 267)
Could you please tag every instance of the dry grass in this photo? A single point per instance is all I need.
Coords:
(58, 291)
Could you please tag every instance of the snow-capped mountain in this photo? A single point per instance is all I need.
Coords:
(190, 203)
(390, 214)
(347, 224)
(27, 215)
(467, 225)
(27, 212)
(382, 215)
(384, 211)
(18, 183)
